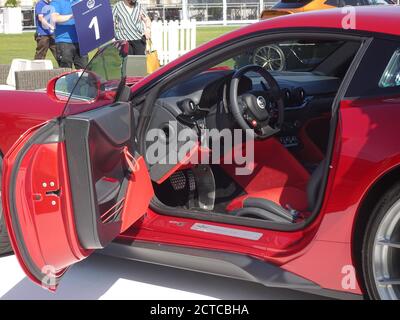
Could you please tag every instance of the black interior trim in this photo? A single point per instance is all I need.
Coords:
(269, 206)
(259, 213)
(111, 128)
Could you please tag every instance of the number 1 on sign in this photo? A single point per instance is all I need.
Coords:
(95, 24)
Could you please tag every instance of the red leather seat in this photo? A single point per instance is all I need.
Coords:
(277, 176)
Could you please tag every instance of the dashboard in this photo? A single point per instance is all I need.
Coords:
(203, 102)
(206, 90)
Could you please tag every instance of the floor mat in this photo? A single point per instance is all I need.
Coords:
(226, 189)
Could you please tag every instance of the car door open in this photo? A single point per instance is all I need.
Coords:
(71, 186)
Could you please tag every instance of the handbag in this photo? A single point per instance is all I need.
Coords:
(152, 61)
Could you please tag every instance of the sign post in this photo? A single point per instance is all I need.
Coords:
(94, 23)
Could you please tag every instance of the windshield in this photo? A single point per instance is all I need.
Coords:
(292, 56)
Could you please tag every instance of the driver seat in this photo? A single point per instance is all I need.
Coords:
(282, 203)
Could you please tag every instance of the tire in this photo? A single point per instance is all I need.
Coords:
(381, 248)
(5, 245)
(270, 57)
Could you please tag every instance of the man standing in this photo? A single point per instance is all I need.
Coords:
(66, 39)
(44, 35)
(132, 24)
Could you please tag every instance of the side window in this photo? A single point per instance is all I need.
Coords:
(391, 75)
(109, 65)
(378, 74)
(104, 75)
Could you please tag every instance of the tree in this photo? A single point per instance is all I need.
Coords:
(12, 3)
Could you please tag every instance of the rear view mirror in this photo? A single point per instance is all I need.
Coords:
(76, 87)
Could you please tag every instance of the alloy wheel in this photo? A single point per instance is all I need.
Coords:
(386, 255)
(270, 57)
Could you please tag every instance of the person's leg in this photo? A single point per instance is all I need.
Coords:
(65, 54)
(131, 50)
(42, 45)
(80, 62)
(139, 47)
(52, 47)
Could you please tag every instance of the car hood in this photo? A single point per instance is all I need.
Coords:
(21, 110)
(35, 104)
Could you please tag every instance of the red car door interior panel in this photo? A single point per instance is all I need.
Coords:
(66, 187)
(140, 188)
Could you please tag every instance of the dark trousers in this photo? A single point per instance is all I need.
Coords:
(137, 47)
(68, 54)
(43, 44)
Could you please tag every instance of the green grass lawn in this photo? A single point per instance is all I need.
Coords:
(205, 34)
(23, 46)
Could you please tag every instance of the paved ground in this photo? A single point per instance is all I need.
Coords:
(101, 277)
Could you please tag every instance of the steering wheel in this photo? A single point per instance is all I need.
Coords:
(259, 110)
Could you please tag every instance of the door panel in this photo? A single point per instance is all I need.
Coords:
(139, 188)
(95, 141)
(40, 221)
(66, 187)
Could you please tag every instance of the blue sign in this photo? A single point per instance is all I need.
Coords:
(94, 23)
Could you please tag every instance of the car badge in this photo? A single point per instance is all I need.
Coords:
(261, 102)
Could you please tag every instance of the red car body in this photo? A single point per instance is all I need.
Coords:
(365, 161)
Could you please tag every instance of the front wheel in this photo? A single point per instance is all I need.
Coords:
(381, 248)
(5, 245)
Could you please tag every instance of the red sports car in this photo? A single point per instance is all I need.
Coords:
(288, 178)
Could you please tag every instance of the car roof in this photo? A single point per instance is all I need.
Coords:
(381, 19)
(374, 19)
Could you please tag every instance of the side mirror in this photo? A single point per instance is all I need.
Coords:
(76, 87)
